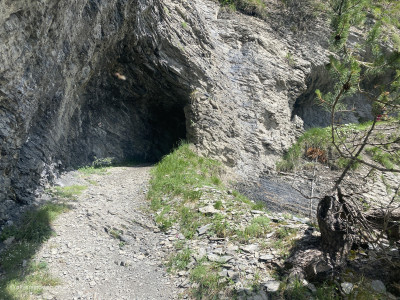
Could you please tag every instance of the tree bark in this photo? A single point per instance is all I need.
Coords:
(336, 235)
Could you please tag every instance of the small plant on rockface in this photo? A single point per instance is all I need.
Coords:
(98, 166)
(290, 59)
(316, 145)
(317, 138)
(103, 162)
(90, 170)
(388, 159)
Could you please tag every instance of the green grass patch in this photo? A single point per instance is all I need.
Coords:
(208, 280)
(320, 139)
(90, 170)
(69, 192)
(258, 206)
(242, 198)
(181, 184)
(295, 290)
(164, 220)
(284, 232)
(315, 137)
(218, 205)
(180, 260)
(189, 220)
(24, 277)
(220, 226)
(388, 160)
(257, 228)
(284, 240)
(182, 171)
(178, 179)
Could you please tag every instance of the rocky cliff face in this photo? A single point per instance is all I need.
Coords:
(88, 79)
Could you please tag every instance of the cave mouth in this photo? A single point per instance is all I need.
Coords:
(127, 121)
(359, 107)
(136, 106)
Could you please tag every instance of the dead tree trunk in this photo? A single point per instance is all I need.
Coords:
(336, 235)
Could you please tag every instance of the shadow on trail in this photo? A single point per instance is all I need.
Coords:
(20, 276)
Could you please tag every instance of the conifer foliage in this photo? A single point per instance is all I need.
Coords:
(355, 63)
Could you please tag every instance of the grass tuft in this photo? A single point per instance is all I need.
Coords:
(69, 192)
(207, 278)
(180, 260)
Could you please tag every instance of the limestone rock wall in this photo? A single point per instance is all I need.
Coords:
(225, 81)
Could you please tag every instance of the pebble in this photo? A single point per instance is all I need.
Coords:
(272, 286)
(347, 287)
(266, 257)
(208, 210)
(378, 286)
(220, 259)
(9, 241)
(250, 248)
(202, 230)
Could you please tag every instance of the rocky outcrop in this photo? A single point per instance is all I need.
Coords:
(129, 78)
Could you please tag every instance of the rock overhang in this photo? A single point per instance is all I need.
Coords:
(130, 78)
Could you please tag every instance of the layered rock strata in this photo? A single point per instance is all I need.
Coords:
(88, 79)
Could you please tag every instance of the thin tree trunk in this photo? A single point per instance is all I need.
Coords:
(336, 236)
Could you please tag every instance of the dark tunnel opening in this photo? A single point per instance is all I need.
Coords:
(168, 129)
(141, 118)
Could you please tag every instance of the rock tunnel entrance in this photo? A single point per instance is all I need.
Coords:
(131, 110)
(126, 127)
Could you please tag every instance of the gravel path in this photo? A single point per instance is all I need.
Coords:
(107, 246)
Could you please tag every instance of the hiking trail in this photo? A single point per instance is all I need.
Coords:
(108, 246)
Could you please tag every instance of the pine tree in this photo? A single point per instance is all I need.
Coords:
(340, 217)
